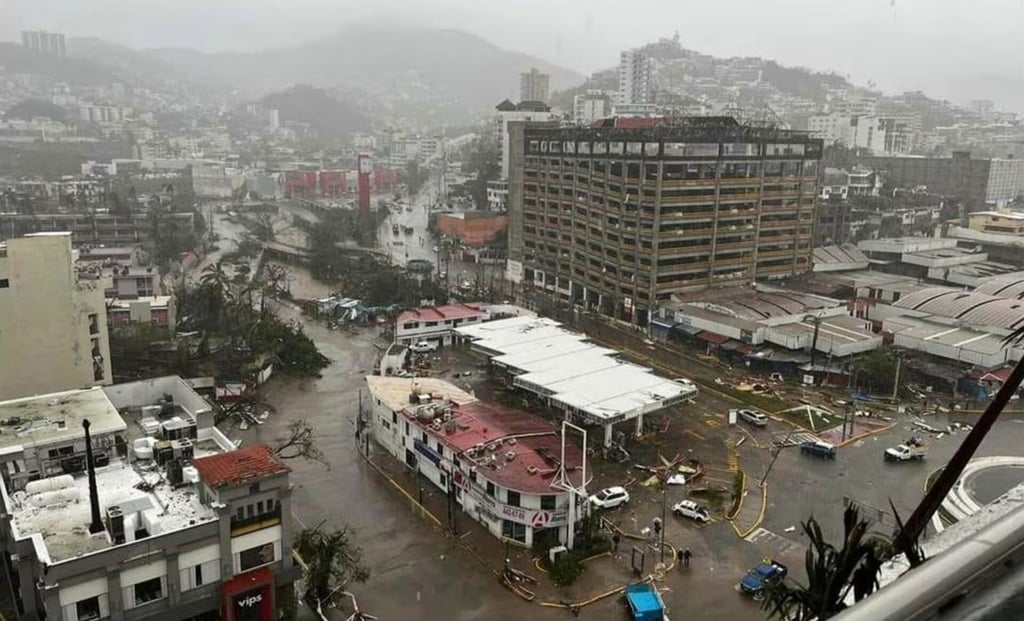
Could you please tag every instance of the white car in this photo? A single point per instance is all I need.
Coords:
(610, 497)
(690, 509)
(423, 347)
(753, 417)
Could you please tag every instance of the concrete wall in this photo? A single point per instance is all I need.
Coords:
(47, 340)
(514, 206)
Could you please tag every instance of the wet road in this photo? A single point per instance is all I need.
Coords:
(416, 573)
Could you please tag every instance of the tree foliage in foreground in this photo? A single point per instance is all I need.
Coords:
(832, 571)
(332, 562)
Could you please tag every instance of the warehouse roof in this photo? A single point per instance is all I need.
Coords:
(974, 308)
(1005, 286)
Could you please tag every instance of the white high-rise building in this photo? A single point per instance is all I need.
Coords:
(637, 78)
(591, 105)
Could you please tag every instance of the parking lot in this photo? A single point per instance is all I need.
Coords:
(798, 485)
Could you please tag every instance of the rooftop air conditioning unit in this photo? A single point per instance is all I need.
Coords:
(509, 456)
(511, 441)
(531, 469)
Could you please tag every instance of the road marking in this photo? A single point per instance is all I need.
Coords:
(691, 432)
(712, 422)
(777, 543)
(733, 458)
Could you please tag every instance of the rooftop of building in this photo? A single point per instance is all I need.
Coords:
(153, 300)
(512, 448)
(61, 516)
(600, 387)
(241, 467)
(57, 417)
(396, 392)
(973, 308)
(711, 128)
(473, 215)
(441, 313)
(988, 270)
(841, 329)
(839, 257)
(905, 244)
(1005, 286)
(1005, 214)
(946, 253)
(755, 303)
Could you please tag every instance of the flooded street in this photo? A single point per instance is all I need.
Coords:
(416, 572)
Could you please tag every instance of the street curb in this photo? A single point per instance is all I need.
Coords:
(865, 435)
(760, 517)
(739, 505)
(401, 489)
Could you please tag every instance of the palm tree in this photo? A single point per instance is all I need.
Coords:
(831, 572)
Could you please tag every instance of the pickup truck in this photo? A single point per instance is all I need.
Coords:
(757, 581)
(905, 452)
(423, 347)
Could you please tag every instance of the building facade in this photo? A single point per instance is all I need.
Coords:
(619, 219)
(533, 86)
(960, 176)
(524, 112)
(500, 465)
(43, 42)
(591, 105)
(637, 78)
(53, 325)
(190, 529)
(436, 323)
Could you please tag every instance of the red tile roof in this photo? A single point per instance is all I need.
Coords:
(535, 450)
(241, 467)
(439, 313)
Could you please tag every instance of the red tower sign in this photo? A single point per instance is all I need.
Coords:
(365, 169)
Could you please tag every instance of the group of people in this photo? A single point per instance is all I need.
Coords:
(683, 554)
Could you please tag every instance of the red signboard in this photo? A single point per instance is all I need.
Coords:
(249, 596)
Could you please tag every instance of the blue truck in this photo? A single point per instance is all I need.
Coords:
(645, 604)
(757, 581)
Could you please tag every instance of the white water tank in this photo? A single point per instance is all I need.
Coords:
(57, 497)
(49, 485)
(191, 474)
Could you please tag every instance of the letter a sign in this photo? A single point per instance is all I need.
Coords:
(540, 519)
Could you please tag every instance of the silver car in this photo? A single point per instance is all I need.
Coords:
(752, 417)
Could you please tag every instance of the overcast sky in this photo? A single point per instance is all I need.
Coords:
(956, 49)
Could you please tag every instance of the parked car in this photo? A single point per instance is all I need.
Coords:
(756, 582)
(818, 449)
(423, 347)
(690, 509)
(610, 497)
(752, 417)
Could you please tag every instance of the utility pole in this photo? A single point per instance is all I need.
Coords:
(664, 500)
(896, 380)
(778, 449)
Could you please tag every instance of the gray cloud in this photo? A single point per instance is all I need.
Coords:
(950, 48)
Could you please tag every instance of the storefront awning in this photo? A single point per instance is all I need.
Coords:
(711, 337)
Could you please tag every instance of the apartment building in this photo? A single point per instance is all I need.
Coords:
(508, 112)
(137, 507)
(500, 465)
(621, 218)
(53, 324)
(591, 105)
(637, 78)
(435, 323)
(43, 42)
(533, 86)
(155, 310)
(95, 229)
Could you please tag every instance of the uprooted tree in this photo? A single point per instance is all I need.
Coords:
(300, 443)
(332, 562)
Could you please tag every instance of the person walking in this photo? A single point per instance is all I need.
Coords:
(687, 555)
(679, 558)
(615, 542)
